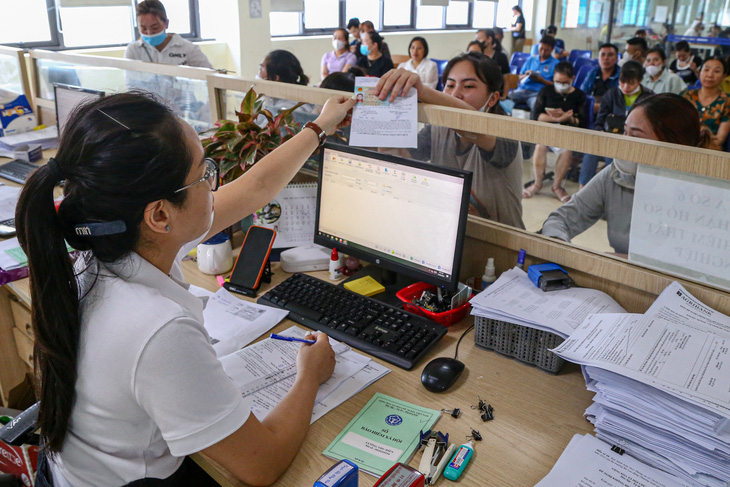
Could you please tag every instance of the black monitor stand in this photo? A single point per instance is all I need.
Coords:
(391, 280)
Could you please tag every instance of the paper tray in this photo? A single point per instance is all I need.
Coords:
(523, 343)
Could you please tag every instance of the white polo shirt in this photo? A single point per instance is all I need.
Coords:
(150, 389)
(178, 51)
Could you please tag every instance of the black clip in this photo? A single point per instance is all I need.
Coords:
(453, 412)
(486, 409)
(475, 435)
(617, 449)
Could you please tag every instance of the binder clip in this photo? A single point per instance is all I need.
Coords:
(401, 475)
(436, 455)
(454, 413)
(486, 409)
(342, 474)
(475, 435)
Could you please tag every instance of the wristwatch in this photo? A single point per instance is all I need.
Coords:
(317, 130)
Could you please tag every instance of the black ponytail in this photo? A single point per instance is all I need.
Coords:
(116, 155)
(284, 66)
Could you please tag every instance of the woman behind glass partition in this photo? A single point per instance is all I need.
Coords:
(471, 82)
(666, 117)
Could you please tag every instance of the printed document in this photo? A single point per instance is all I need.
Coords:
(386, 431)
(587, 461)
(232, 323)
(676, 305)
(675, 357)
(514, 298)
(8, 200)
(380, 123)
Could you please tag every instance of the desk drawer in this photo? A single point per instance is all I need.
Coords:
(24, 346)
(21, 317)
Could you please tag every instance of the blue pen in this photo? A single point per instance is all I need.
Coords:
(521, 259)
(292, 339)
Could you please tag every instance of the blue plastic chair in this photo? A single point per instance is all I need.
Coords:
(441, 65)
(697, 85)
(581, 74)
(516, 62)
(577, 53)
(590, 105)
(581, 61)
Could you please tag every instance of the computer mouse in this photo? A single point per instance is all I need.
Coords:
(441, 373)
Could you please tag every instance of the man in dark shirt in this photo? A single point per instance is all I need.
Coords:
(563, 104)
(604, 76)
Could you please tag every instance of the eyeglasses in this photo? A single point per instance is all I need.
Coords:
(212, 175)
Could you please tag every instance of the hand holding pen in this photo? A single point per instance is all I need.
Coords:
(316, 359)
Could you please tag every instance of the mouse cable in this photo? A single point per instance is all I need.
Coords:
(456, 353)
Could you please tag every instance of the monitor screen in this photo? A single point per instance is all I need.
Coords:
(404, 215)
(68, 98)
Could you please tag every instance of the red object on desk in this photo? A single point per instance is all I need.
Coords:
(401, 475)
(414, 291)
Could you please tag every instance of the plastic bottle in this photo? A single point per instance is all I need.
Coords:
(488, 277)
(459, 461)
(335, 273)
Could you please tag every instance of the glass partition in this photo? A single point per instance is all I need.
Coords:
(187, 97)
(11, 78)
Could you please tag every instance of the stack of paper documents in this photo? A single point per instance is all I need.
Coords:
(515, 299)
(265, 373)
(662, 384)
(47, 138)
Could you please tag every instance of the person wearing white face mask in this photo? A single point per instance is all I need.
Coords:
(341, 59)
(471, 82)
(563, 104)
(156, 45)
(657, 78)
(359, 49)
(617, 102)
(666, 117)
(636, 48)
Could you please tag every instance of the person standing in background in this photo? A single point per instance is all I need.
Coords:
(156, 45)
(518, 29)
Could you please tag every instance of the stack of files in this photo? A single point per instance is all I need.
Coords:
(265, 372)
(13, 262)
(662, 384)
(47, 138)
(515, 299)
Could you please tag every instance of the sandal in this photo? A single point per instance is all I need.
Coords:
(531, 190)
(561, 194)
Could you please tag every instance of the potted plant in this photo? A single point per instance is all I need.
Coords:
(238, 145)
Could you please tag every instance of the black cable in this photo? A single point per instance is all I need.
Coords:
(456, 353)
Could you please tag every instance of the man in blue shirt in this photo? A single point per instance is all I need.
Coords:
(537, 72)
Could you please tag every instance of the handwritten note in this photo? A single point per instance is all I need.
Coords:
(377, 123)
(681, 223)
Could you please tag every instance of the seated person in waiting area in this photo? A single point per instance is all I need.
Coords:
(602, 77)
(420, 64)
(471, 82)
(475, 46)
(713, 105)
(687, 65)
(374, 61)
(559, 52)
(636, 49)
(563, 104)
(666, 117)
(156, 45)
(536, 73)
(657, 77)
(615, 106)
(341, 59)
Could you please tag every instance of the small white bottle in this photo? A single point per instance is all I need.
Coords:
(489, 277)
(334, 273)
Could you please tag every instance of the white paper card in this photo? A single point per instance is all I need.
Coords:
(377, 123)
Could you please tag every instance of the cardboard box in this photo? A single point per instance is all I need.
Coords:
(16, 116)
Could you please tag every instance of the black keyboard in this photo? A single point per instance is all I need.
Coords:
(387, 332)
(17, 170)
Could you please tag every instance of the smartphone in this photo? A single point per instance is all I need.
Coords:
(7, 228)
(251, 262)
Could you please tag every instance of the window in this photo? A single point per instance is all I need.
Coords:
(484, 14)
(363, 10)
(178, 11)
(429, 17)
(96, 26)
(504, 12)
(397, 12)
(285, 23)
(457, 13)
(321, 14)
(34, 26)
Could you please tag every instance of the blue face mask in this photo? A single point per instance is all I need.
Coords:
(364, 50)
(154, 40)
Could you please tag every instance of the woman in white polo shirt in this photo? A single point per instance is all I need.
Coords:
(156, 45)
(130, 384)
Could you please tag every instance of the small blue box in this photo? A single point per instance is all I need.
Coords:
(342, 474)
(549, 276)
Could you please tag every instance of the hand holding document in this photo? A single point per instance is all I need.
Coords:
(515, 299)
(382, 123)
(589, 461)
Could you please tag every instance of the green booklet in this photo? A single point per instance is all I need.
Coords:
(386, 431)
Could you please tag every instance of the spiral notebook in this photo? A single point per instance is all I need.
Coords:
(291, 214)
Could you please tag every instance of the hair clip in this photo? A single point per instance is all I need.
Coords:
(100, 229)
(453, 412)
(120, 123)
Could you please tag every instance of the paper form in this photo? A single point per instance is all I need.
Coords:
(233, 323)
(676, 305)
(8, 200)
(587, 461)
(682, 360)
(515, 299)
(380, 123)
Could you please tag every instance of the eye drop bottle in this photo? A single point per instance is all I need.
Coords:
(459, 462)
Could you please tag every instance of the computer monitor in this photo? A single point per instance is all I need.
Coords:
(67, 98)
(406, 216)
